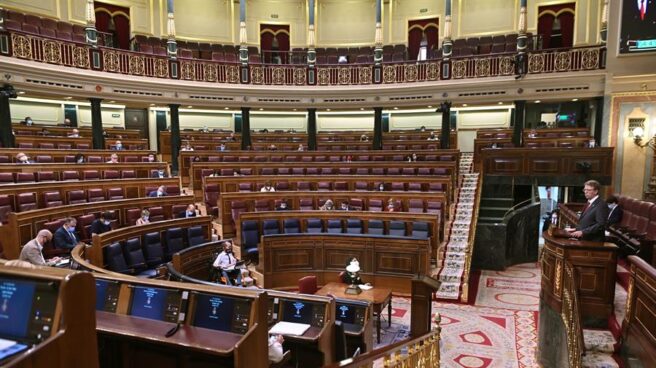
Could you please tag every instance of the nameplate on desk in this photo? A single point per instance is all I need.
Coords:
(289, 328)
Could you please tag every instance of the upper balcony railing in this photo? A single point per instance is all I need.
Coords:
(38, 48)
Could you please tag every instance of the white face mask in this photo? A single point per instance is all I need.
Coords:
(612, 205)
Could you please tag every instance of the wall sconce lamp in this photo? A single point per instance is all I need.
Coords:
(638, 138)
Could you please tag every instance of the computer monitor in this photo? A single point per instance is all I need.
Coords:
(16, 297)
(106, 295)
(214, 312)
(155, 303)
(345, 313)
(297, 311)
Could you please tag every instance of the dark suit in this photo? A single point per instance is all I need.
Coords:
(593, 221)
(156, 175)
(183, 214)
(615, 216)
(154, 194)
(65, 240)
(98, 227)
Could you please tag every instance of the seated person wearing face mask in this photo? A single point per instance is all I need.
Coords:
(344, 206)
(65, 237)
(101, 224)
(159, 174)
(28, 121)
(118, 146)
(282, 206)
(160, 192)
(189, 212)
(144, 219)
(151, 157)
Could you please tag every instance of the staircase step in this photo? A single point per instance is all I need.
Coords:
(599, 360)
(601, 341)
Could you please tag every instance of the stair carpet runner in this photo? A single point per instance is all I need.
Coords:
(450, 273)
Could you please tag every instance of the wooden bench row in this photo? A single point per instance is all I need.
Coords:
(20, 173)
(8, 155)
(20, 129)
(48, 142)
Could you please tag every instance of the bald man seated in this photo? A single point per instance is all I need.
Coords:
(32, 251)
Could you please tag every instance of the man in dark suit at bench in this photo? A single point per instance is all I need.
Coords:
(65, 237)
(592, 222)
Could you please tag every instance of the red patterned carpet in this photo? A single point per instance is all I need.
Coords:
(498, 331)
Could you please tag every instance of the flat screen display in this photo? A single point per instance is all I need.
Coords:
(214, 312)
(101, 293)
(638, 30)
(148, 302)
(16, 299)
(345, 313)
(297, 311)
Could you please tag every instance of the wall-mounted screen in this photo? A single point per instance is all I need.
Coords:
(638, 30)
(155, 303)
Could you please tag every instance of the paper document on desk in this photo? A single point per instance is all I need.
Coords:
(365, 287)
(289, 328)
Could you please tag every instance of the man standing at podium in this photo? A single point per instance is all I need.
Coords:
(592, 222)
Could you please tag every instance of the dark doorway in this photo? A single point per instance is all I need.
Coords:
(556, 25)
(137, 119)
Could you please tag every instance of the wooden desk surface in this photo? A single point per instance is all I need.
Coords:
(201, 339)
(376, 295)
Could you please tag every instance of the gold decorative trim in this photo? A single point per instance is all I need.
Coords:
(22, 46)
(257, 74)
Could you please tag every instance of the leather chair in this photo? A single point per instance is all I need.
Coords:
(433, 207)
(362, 171)
(354, 226)
(263, 205)
(70, 175)
(394, 171)
(298, 171)
(128, 174)
(115, 259)
(270, 227)
(283, 171)
(156, 213)
(174, 241)
(334, 226)
(267, 171)
(237, 207)
(45, 176)
(76, 196)
(115, 193)
(195, 236)
(95, 195)
(90, 175)
(135, 259)
(211, 196)
(291, 226)
(245, 187)
(132, 215)
(6, 177)
(397, 228)
(357, 204)
(420, 230)
(376, 227)
(283, 185)
(416, 205)
(307, 285)
(43, 159)
(111, 174)
(84, 227)
(52, 199)
(177, 209)
(375, 205)
(49, 249)
(250, 238)
(340, 186)
(314, 226)
(5, 207)
(26, 202)
(153, 251)
(303, 186)
(324, 186)
(397, 187)
(361, 186)
(24, 177)
(312, 170)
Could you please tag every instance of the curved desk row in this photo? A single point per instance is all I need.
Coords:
(68, 155)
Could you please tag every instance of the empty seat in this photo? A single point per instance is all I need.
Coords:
(95, 195)
(420, 230)
(356, 204)
(250, 238)
(376, 227)
(5, 207)
(314, 225)
(76, 196)
(90, 175)
(397, 228)
(115, 193)
(302, 185)
(376, 205)
(43, 158)
(354, 226)
(84, 226)
(245, 187)
(23, 177)
(52, 199)
(291, 226)
(306, 204)
(70, 175)
(6, 177)
(334, 226)
(152, 248)
(173, 241)
(156, 213)
(262, 205)
(237, 207)
(111, 174)
(45, 176)
(397, 187)
(195, 236)
(211, 196)
(416, 205)
(270, 227)
(361, 186)
(323, 186)
(115, 259)
(26, 202)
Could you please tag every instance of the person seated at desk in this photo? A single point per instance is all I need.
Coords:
(189, 212)
(231, 138)
(74, 134)
(160, 174)
(615, 212)
(433, 137)
(226, 262)
(101, 224)
(328, 206)
(22, 158)
(65, 237)
(391, 207)
(27, 121)
(151, 157)
(187, 147)
(160, 192)
(222, 147)
(67, 122)
(118, 146)
(80, 159)
(344, 206)
(32, 251)
(144, 219)
(352, 274)
(275, 348)
(268, 187)
(301, 148)
(113, 159)
(283, 206)
(364, 138)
